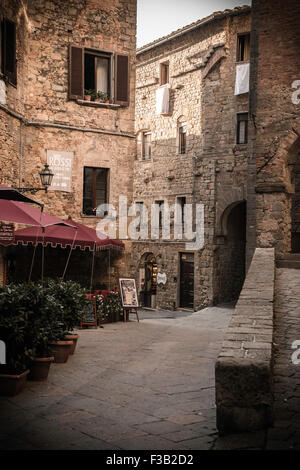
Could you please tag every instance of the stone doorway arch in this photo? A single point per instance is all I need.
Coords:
(230, 257)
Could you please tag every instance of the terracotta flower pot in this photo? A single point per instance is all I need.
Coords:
(11, 385)
(74, 339)
(61, 350)
(87, 97)
(39, 368)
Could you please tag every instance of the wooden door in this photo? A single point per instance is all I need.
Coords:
(187, 280)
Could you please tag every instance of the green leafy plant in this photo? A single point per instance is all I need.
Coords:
(16, 311)
(72, 299)
(90, 92)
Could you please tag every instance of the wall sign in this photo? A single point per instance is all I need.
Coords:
(161, 278)
(61, 164)
(7, 233)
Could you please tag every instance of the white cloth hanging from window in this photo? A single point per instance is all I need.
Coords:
(162, 100)
(242, 78)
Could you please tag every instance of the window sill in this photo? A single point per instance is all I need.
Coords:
(96, 104)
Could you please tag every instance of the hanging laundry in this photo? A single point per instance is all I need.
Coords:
(242, 78)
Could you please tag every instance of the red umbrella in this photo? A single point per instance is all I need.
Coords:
(22, 213)
(8, 193)
(83, 237)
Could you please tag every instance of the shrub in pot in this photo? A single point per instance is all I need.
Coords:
(72, 298)
(45, 326)
(15, 313)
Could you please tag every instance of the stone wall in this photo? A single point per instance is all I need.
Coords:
(37, 115)
(275, 120)
(244, 383)
(213, 171)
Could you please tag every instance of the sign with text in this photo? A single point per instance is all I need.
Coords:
(7, 233)
(61, 165)
(128, 293)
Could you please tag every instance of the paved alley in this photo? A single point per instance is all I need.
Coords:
(146, 385)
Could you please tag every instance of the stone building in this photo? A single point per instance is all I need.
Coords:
(191, 125)
(274, 130)
(52, 52)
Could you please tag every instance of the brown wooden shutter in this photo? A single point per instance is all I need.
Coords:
(76, 69)
(9, 63)
(122, 79)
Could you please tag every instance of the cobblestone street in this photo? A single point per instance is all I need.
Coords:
(147, 385)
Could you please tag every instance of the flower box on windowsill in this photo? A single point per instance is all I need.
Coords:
(98, 104)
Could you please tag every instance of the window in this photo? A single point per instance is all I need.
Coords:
(94, 70)
(164, 73)
(182, 138)
(146, 145)
(160, 205)
(8, 51)
(97, 72)
(182, 202)
(242, 128)
(243, 52)
(95, 189)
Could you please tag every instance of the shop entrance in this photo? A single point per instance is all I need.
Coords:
(148, 281)
(186, 280)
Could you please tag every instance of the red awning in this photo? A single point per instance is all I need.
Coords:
(84, 237)
(8, 193)
(22, 213)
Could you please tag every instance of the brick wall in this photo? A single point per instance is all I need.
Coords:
(275, 120)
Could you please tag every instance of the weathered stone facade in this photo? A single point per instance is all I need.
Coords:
(273, 189)
(213, 171)
(37, 115)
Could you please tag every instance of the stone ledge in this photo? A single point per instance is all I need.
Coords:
(244, 384)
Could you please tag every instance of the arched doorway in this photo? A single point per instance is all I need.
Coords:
(148, 280)
(230, 265)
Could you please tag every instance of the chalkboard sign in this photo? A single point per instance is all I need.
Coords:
(89, 316)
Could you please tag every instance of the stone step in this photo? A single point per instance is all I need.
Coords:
(288, 263)
(291, 256)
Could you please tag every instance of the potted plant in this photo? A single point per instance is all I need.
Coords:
(14, 331)
(72, 299)
(106, 98)
(100, 96)
(42, 333)
(88, 94)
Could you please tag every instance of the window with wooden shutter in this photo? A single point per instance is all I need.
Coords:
(76, 69)
(122, 79)
(9, 64)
